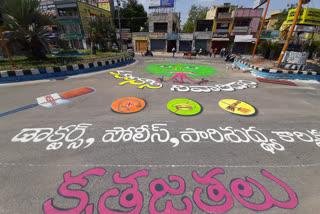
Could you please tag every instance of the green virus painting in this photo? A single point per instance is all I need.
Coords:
(181, 73)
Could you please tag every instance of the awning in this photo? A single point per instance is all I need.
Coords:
(220, 39)
(243, 38)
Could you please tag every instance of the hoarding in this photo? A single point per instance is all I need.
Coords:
(88, 12)
(307, 16)
(104, 4)
(160, 3)
(258, 3)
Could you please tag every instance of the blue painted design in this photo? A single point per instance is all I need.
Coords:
(19, 109)
(281, 75)
(66, 73)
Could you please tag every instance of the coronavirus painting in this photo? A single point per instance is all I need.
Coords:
(179, 73)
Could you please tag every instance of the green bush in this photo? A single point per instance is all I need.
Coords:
(313, 48)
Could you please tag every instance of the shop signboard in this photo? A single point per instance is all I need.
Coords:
(303, 28)
(104, 4)
(72, 36)
(220, 35)
(161, 4)
(88, 12)
(69, 21)
(157, 35)
(126, 36)
(172, 36)
(270, 34)
(307, 16)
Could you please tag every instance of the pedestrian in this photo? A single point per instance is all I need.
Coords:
(211, 52)
(215, 52)
(222, 52)
(200, 51)
(173, 51)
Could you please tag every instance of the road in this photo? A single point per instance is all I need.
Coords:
(81, 156)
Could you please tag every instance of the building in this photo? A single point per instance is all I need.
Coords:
(164, 29)
(74, 17)
(223, 20)
(269, 22)
(203, 34)
(245, 27)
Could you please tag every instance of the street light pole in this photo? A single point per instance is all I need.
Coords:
(291, 31)
(118, 1)
(261, 27)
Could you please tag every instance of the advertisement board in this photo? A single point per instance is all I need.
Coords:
(88, 12)
(160, 3)
(258, 3)
(104, 4)
(307, 16)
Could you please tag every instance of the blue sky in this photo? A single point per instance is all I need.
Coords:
(183, 6)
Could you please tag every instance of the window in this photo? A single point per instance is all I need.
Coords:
(160, 27)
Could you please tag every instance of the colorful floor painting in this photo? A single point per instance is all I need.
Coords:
(184, 107)
(53, 100)
(237, 107)
(128, 105)
(180, 73)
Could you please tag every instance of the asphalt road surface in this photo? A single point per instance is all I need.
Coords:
(79, 156)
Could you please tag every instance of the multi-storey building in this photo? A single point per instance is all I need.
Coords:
(245, 27)
(223, 20)
(74, 17)
(164, 29)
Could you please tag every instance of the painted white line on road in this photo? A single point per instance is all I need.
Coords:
(161, 166)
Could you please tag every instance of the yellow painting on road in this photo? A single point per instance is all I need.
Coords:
(237, 107)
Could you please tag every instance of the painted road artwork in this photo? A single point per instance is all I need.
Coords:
(54, 100)
(128, 105)
(237, 107)
(142, 202)
(181, 73)
(184, 107)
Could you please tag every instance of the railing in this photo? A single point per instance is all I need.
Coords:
(242, 29)
(224, 15)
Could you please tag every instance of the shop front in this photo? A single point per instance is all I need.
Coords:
(126, 41)
(140, 41)
(172, 41)
(158, 41)
(243, 44)
(185, 42)
(202, 40)
(220, 40)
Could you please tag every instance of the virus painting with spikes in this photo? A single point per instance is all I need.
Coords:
(179, 73)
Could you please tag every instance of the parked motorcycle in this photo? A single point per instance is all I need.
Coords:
(230, 57)
(148, 53)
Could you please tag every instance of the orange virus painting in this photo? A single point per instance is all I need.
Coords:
(128, 105)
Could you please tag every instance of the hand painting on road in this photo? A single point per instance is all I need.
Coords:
(181, 73)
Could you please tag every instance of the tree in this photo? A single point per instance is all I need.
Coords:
(195, 13)
(26, 25)
(312, 48)
(132, 15)
(283, 16)
(101, 32)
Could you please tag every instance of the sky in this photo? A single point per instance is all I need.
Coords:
(184, 6)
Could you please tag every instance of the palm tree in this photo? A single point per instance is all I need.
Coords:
(26, 25)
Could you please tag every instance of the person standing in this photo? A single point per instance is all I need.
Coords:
(211, 52)
(173, 51)
(215, 52)
(222, 52)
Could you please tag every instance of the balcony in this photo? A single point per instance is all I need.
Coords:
(224, 15)
(242, 29)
